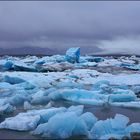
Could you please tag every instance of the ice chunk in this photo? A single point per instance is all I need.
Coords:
(17, 99)
(8, 65)
(89, 119)
(49, 105)
(39, 98)
(97, 59)
(40, 129)
(119, 121)
(64, 125)
(13, 80)
(110, 62)
(79, 96)
(77, 109)
(122, 97)
(72, 55)
(110, 126)
(51, 112)
(20, 66)
(68, 84)
(80, 128)
(27, 106)
(98, 85)
(61, 125)
(21, 122)
(26, 85)
(134, 127)
(6, 109)
(24, 121)
(132, 104)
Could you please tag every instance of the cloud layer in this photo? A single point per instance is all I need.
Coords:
(90, 25)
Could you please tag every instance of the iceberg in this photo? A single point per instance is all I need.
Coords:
(80, 128)
(77, 109)
(73, 55)
(8, 65)
(6, 109)
(89, 119)
(21, 66)
(65, 125)
(21, 122)
(17, 99)
(122, 97)
(39, 98)
(27, 106)
(61, 125)
(13, 80)
(51, 112)
(110, 126)
(79, 96)
(27, 120)
(134, 127)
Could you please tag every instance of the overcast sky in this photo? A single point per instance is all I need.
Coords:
(96, 27)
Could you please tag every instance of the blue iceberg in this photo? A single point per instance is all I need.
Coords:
(73, 55)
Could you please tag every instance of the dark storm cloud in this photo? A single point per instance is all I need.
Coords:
(67, 24)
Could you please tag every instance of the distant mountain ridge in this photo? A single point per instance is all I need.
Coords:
(29, 51)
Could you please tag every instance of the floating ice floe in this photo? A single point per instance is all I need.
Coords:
(93, 97)
(28, 120)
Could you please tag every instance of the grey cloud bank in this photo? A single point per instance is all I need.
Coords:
(58, 25)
